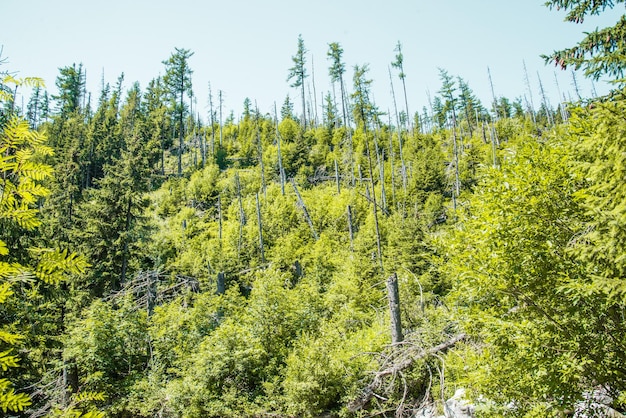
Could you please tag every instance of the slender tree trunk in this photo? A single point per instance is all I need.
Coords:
(380, 159)
(221, 102)
(350, 229)
(493, 147)
(376, 225)
(221, 283)
(304, 210)
(346, 124)
(219, 216)
(315, 122)
(260, 221)
(281, 171)
(180, 129)
(544, 99)
(399, 130)
(337, 178)
(242, 214)
(406, 104)
(393, 295)
(303, 104)
(125, 250)
(457, 182)
(260, 152)
(493, 95)
(530, 92)
(391, 164)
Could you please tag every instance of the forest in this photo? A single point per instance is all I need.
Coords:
(294, 263)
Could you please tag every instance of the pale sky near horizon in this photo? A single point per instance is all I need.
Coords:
(244, 47)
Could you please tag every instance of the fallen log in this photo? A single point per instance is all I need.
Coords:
(369, 391)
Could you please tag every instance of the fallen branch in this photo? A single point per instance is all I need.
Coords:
(369, 391)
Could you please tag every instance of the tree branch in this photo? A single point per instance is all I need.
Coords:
(368, 393)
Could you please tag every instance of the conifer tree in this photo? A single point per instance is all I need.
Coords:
(469, 104)
(399, 65)
(156, 117)
(71, 85)
(297, 73)
(36, 107)
(110, 221)
(336, 72)
(177, 80)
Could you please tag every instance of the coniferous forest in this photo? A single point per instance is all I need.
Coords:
(339, 261)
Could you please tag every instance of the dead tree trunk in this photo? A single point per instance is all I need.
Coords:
(393, 295)
(337, 178)
(281, 171)
(304, 210)
(350, 229)
(260, 151)
(221, 283)
(258, 214)
(369, 391)
(242, 214)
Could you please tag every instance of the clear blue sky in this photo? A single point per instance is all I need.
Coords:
(244, 47)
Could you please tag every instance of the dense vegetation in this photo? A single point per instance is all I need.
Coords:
(156, 265)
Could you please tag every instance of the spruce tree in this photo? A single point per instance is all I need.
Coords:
(178, 83)
(297, 73)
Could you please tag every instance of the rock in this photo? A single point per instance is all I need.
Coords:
(455, 407)
(458, 407)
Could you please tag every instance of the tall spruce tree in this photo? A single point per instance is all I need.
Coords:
(71, 85)
(399, 65)
(336, 72)
(297, 73)
(177, 80)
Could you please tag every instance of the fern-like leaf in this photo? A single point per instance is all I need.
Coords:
(10, 400)
(7, 360)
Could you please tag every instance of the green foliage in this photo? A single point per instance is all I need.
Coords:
(599, 147)
(80, 406)
(21, 174)
(10, 400)
(600, 52)
(21, 188)
(220, 292)
(324, 372)
(109, 347)
(531, 278)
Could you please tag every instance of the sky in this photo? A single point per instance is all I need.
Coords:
(245, 47)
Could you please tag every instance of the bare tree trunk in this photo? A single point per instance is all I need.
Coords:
(337, 178)
(493, 94)
(221, 102)
(242, 214)
(350, 229)
(377, 227)
(399, 130)
(219, 214)
(530, 92)
(221, 283)
(258, 215)
(315, 121)
(260, 151)
(544, 99)
(391, 164)
(393, 295)
(304, 209)
(281, 171)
